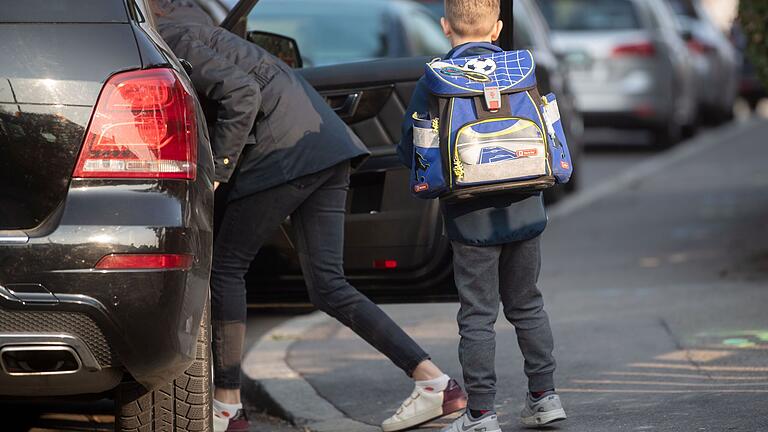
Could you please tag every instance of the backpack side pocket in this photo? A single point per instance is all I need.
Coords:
(562, 167)
(427, 174)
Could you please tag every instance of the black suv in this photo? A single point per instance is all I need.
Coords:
(105, 214)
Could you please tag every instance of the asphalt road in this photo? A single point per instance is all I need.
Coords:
(604, 295)
(657, 295)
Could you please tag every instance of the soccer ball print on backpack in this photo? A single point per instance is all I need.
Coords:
(488, 130)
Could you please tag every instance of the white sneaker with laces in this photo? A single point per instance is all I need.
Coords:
(424, 405)
(486, 423)
(546, 410)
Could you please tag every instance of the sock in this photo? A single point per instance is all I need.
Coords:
(434, 385)
(538, 395)
(226, 410)
(476, 414)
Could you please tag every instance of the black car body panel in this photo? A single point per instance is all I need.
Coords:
(139, 324)
(49, 92)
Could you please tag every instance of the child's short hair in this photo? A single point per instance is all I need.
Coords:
(472, 17)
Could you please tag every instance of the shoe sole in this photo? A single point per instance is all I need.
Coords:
(220, 424)
(428, 416)
(542, 419)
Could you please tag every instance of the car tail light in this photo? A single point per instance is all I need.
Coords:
(145, 262)
(143, 126)
(385, 264)
(698, 47)
(642, 49)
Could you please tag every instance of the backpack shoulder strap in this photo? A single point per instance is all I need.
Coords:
(472, 45)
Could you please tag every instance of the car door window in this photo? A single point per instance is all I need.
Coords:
(425, 37)
(332, 32)
(327, 32)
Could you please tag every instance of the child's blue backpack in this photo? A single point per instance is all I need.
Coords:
(488, 130)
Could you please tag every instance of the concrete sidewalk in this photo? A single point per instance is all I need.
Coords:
(656, 283)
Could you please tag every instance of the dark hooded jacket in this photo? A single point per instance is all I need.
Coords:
(271, 126)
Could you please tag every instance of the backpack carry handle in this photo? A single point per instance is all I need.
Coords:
(466, 47)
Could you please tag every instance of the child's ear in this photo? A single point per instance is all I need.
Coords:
(447, 30)
(497, 28)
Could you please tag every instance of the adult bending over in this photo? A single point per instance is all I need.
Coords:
(283, 152)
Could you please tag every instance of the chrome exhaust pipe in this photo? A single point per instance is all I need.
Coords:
(26, 360)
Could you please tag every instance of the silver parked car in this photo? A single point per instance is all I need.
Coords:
(717, 61)
(628, 65)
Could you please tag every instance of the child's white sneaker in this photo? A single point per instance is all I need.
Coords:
(543, 411)
(488, 422)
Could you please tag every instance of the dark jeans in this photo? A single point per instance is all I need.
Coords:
(316, 204)
(484, 276)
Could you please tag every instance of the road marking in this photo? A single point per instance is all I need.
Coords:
(665, 391)
(694, 355)
(270, 377)
(690, 376)
(703, 368)
(646, 169)
(667, 383)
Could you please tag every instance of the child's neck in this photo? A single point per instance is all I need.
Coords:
(456, 41)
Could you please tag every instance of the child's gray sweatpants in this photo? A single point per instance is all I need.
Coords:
(484, 276)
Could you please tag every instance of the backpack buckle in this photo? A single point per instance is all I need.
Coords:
(492, 98)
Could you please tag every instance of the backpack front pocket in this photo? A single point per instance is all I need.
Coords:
(498, 151)
(427, 174)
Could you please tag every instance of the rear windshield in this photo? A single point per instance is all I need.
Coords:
(62, 11)
(587, 15)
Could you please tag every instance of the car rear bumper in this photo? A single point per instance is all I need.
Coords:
(623, 111)
(140, 322)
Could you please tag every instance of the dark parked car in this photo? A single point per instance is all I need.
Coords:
(105, 214)
(715, 58)
(751, 88)
(394, 249)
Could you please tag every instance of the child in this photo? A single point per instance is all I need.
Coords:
(496, 258)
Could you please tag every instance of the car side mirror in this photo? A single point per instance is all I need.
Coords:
(282, 47)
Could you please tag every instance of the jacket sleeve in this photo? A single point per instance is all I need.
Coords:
(419, 104)
(238, 97)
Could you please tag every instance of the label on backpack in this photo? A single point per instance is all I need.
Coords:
(493, 98)
(551, 116)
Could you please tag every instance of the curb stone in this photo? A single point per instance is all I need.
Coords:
(282, 391)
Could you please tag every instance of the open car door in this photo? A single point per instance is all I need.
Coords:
(395, 250)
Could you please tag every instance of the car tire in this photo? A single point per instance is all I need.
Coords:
(753, 103)
(183, 404)
(667, 135)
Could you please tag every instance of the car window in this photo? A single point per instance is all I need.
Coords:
(588, 15)
(332, 32)
(683, 8)
(327, 32)
(63, 11)
(425, 36)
